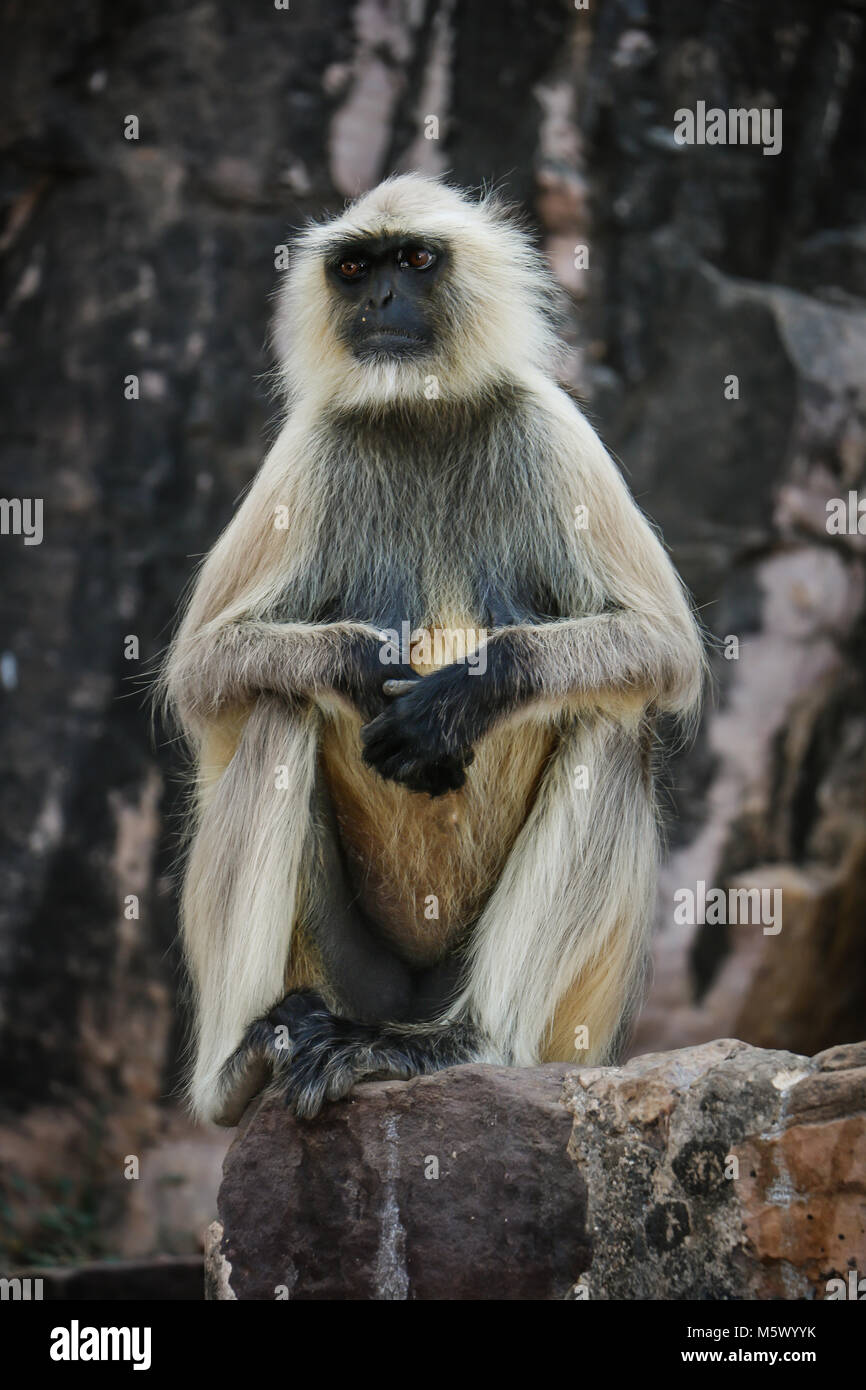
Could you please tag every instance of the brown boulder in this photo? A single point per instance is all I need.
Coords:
(457, 1185)
(716, 1172)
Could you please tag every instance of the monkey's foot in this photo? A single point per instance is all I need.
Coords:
(264, 1051)
(328, 1055)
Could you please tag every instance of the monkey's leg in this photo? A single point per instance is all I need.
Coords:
(561, 943)
(315, 1050)
(559, 946)
(243, 887)
(365, 979)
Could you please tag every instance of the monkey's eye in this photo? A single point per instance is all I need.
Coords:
(415, 258)
(351, 270)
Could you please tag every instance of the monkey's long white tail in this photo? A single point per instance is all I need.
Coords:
(242, 885)
(569, 919)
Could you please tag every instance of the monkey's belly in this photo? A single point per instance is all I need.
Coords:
(424, 867)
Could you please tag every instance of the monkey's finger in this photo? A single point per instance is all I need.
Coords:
(372, 732)
(398, 687)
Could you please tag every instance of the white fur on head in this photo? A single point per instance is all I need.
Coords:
(498, 286)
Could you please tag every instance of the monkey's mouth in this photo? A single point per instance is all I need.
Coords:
(389, 342)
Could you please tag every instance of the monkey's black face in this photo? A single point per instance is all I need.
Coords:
(389, 289)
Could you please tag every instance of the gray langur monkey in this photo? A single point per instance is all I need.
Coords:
(406, 856)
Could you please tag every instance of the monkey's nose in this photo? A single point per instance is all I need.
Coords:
(380, 301)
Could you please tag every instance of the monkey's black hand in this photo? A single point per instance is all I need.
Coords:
(363, 674)
(424, 740)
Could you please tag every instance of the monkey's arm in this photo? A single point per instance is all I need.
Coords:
(617, 660)
(227, 664)
(624, 660)
(227, 652)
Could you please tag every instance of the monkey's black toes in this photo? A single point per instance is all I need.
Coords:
(328, 1059)
(274, 1039)
(315, 1079)
(313, 1055)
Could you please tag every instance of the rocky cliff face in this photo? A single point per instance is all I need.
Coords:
(716, 1172)
(725, 351)
(154, 257)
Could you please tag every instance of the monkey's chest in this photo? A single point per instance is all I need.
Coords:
(424, 868)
